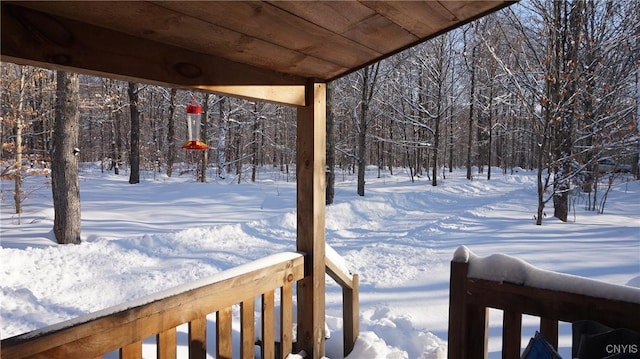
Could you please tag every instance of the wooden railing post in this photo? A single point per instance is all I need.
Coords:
(131, 351)
(351, 315)
(198, 338)
(286, 320)
(224, 347)
(477, 331)
(350, 303)
(247, 328)
(167, 344)
(549, 329)
(457, 308)
(268, 336)
(511, 333)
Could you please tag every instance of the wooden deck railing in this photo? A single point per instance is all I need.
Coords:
(350, 303)
(470, 298)
(124, 327)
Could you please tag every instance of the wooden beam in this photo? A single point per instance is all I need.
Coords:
(310, 171)
(283, 94)
(30, 37)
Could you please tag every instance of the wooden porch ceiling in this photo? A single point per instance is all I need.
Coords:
(220, 45)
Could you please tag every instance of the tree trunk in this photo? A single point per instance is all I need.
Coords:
(472, 96)
(205, 138)
(331, 148)
(369, 77)
(134, 154)
(564, 147)
(171, 133)
(17, 191)
(222, 141)
(64, 167)
(362, 134)
(490, 139)
(254, 142)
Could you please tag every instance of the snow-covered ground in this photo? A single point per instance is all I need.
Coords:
(164, 232)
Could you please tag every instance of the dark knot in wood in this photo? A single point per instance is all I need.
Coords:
(187, 70)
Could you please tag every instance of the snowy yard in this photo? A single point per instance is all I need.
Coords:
(400, 238)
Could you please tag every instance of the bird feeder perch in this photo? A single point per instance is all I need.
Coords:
(193, 128)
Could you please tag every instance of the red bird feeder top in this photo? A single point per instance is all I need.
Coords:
(193, 128)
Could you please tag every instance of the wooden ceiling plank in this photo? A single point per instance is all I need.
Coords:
(380, 34)
(470, 9)
(335, 16)
(269, 23)
(353, 20)
(423, 19)
(325, 42)
(156, 23)
(63, 44)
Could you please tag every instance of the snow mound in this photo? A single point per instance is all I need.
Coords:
(505, 268)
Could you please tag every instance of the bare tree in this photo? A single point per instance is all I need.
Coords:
(19, 124)
(368, 80)
(171, 132)
(331, 147)
(204, 160)
(64, 167)
(134, 152)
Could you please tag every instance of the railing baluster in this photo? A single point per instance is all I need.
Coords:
(511, 333)
(131, 351)
(167, 344)
(477, 331)
(549, 328)
(351, 314)
(198, 338)
(224, 347)
(286, 320)
(247, 329)
(268, 337)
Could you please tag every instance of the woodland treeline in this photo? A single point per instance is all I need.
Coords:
(546, 85)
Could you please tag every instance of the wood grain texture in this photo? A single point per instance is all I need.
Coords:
(100, 334)
(316, 40)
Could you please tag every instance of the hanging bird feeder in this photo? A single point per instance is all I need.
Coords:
(193, 128)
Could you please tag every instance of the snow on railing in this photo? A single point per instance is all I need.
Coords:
(124, 327)
(504, 268)
(516, 287)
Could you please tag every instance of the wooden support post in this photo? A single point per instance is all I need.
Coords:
(310, 172)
